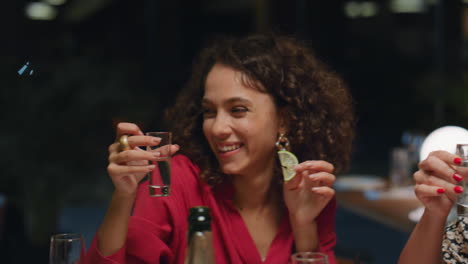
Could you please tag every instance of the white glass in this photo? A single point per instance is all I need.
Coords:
(309, 257)
(66, 249)
(160, 179)
(462, 200)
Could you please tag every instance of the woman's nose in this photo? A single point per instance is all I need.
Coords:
(221, 127)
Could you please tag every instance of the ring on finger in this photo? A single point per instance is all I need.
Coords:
(123, 143)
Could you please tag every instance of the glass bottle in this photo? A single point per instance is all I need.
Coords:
(200, 240)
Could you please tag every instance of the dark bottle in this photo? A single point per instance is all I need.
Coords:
(200, 240)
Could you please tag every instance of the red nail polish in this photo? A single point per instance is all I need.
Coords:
(457, 177)
(457, 160)
(440, 190)
(458, 189)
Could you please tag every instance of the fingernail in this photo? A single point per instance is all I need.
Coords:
(151, 167)
(157, 154)
(457, 160)
(458, 189)
(156, 140)
(440, 190)
(457, 177)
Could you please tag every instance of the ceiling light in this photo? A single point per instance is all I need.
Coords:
(369, 9)
(55, 2)
(352, 9)
(40, 11)
(407, 6)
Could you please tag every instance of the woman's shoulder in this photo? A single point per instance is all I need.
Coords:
(184, 171)
(185, 178)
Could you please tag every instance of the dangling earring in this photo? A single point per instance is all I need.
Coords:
(287, 159)
(282, 143)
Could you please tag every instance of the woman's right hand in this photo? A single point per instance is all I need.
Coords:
(436, 182)
(127, 168)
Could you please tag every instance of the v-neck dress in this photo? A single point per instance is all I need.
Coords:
(157, 231)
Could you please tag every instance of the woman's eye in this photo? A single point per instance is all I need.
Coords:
(208, 112)
(239, 110)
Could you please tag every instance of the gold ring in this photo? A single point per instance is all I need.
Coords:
(123, 143)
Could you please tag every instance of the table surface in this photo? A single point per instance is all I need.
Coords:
(391, 212)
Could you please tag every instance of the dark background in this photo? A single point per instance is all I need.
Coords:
(100, 62)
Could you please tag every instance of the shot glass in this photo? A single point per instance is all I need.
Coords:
(462, 200)
(66, 249)
(160, 179)
(309, 257)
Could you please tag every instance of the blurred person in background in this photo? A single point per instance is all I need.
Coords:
(244, 96)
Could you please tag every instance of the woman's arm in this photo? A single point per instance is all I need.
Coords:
(425, 242)
(305, 236)
(112, 233)
(127, 167)
(306, 195)
(436, 187)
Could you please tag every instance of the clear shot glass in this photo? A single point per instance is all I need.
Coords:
(462, 200)
(160, 178)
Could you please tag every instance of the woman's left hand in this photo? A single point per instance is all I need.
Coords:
(309, 191)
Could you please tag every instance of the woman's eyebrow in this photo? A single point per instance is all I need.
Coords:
(237, 100)
(229, 101)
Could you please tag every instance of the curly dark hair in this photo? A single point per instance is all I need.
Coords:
(313, 100)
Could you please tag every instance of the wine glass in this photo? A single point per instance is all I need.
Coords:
(66, 249)
(309, 257)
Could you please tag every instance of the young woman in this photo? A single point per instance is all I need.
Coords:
(243, 97)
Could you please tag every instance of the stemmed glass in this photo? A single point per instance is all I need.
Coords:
(309, 257)
(66, 249)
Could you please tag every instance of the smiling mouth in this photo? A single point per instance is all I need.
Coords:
(226, 149)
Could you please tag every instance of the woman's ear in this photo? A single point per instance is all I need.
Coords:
(283, 121)
(282, 130)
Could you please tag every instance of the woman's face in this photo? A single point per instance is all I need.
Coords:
(240, 123)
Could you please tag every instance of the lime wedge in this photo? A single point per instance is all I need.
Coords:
(288, 161)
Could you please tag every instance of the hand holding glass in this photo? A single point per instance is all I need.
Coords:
(309, 257)
(160, 179)
(66, 249)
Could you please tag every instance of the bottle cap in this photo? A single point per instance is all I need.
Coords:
(199, 219)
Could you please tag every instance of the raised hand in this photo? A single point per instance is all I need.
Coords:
(436, 182)
(309, 191)
(126, 168)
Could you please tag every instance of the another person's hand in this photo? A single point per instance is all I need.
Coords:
(309, 191)
(436, 182)
(127, 168)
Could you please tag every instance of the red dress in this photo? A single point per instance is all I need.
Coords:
(157, 231)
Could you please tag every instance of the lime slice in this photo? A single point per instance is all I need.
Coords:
(288, 161)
